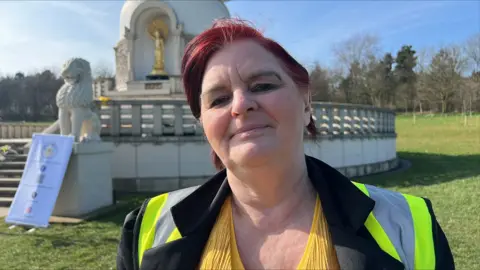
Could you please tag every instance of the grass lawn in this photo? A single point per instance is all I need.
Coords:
(89, 245)
(445, 158)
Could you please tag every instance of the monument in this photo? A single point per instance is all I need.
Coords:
(153, 36)
(87, 185)
(158, 144)
(75, 100)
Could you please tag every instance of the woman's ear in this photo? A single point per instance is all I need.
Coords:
(307, 99)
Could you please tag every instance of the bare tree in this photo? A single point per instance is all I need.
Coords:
(472, 51)
(444, 76)
(102, 70)
(424, 58)
(335, 78)
(358, 58)
(380, 81)
(360, 48)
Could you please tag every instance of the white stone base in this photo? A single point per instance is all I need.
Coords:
(148, 89)
(144, 88)
(168, 163)
(87, 185)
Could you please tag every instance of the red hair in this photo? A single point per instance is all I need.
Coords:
(223, 32)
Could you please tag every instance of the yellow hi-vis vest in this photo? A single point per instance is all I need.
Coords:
(401, 225)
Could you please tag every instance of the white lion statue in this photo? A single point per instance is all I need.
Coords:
(75, 100)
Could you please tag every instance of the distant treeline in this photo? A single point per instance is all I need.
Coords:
(29, 98)
(441, 80)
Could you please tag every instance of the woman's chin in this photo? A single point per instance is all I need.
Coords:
(252, 153)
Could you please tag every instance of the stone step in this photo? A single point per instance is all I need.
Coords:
(18, 145)
(14, 142)
(7, 192)
(5, 202)
(22, 157)
(10, 182)
(10, 172)
(12, 165)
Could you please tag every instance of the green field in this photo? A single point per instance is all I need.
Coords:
(445, 157)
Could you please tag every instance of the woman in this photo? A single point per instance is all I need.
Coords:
(270, 206)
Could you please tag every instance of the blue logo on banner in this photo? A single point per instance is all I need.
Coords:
(38, 190)
(49, 150)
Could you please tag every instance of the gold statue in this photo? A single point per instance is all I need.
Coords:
(158, 30)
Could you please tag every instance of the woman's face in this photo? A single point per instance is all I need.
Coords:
(251, 110)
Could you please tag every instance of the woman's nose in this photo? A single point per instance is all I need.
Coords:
(242, 103)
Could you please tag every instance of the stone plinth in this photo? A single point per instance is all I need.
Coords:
(87, 185)
(145, 88)
(151, 85)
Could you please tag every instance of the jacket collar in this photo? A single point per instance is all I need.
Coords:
(345, 207)
(343, 203)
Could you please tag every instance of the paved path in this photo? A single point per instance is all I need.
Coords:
(403, 165)
(4, 213)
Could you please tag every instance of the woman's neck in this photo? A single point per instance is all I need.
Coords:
(271, 194)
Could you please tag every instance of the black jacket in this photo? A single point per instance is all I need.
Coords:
(345, 207)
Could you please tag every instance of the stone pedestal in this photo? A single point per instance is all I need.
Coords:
(156, 77)
(163, 86)
(155, 88)
(87, 185)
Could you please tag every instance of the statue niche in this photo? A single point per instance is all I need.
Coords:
(158, 31)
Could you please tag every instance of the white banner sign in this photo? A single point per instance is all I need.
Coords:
(42, 179)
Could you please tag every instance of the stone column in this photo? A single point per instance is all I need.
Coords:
(177, 49)
(130, 37)
(130, 60)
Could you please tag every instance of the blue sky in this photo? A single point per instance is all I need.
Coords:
(42, 34)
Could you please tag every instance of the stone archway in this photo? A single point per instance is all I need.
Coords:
(142, 45)
(157, 6)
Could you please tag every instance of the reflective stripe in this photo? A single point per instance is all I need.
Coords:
(376, 230)
(147, 228)
(175, 235)
(158, 212)
(401, 225)
(165, 224)
(362, 187)
(406, 222)
(393, 213)
(381, 236)
(424, 246)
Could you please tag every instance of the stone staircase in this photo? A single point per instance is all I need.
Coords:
(11, 170)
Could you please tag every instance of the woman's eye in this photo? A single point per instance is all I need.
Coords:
(219, 101)
(262, 87)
